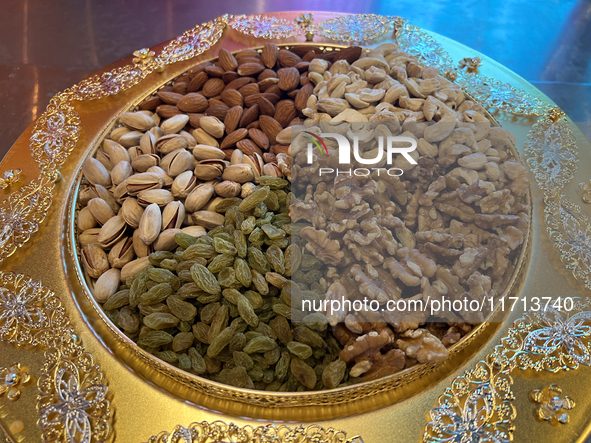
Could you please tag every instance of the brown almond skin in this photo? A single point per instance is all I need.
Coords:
(273, 90)
(288, 58)
(213, 87)
(194, 119)
(218, 111)
(246, 60)
(227, 60)
(232, 119)
(270, 127)
(266, 107)
(279, 149)
(230, 76)
(180, 88)
(232, 97)
(167, 111)
(239, 82)
(301, 99)
(267, 73)
(269, 157)
(249, 115)
(150, 104)
(193, 102)
(248, 69)
(249, 89)
(215, 71)
(350, 54)
(259, 137)
(248, 147)
(289, 78)
(170, 98)
(197, 69)
(246, 53)
(216, 101)
(197, 82)
(302, 66)
(266, 84)
(285, 112)
(231, 139)
(269, 54)
(254, 98)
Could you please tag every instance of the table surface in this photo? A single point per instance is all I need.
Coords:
(46, 47)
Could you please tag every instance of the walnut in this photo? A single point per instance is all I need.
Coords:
(450, 203)
(442, 254)
(470, 260)
(433, 191)
(422, 345)
(404, 320)
(498, 202)
(452, 282)
(376, 283)
(337, 292)
(387, 364)
(429, 170)
(475, 192)
(389, 187)
(490, 221)
(367, 343)
(326, 250)
(343, 334)
(513, 236)
(369, 231)
(412, 265)
(309, 212)
(441, 238)
(349, 192)
(411, 209)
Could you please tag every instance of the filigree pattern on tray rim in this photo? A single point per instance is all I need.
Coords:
(72, 400)
(265, 27)
(355, 28)
(219, 431)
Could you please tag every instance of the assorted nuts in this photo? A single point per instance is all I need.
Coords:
(201, 238)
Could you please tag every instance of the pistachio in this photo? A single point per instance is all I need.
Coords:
(131, 211)
(206, 152)
(136, 121)
(150, 224)
(85, 220)
(100, 210)
(115, 151)
(161, 197)
(247, 189)
(165, 241)
(96, 173)
(89, 237)
(112, 231)
(183, 184)
(199, 197)
(209, 169)
(106, 285)
(174, 124)
(148, 143)
(195, 231)
(181, 162)
(228, 188)
(144, 162)
(204, 138)
(240, 173)
(208, 219)
(236, 157)
(121, 172)
(166, 179)
(169, 143)
(140, 248)
(117, 133)
(94, 260)
(130, 139)
(134, 267)
(213, 126)
(173, 215)
(122, 253)
(142, 182)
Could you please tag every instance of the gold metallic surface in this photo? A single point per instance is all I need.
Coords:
(143, 409)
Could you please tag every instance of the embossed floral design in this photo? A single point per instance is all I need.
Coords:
(355, 28)
(471, 64)
(562, 333)
(74, 404)
(260, 26)
(54, 133)
(20, 313)
(553, 407)
(12, 380)
(9, 177)
(586, 188)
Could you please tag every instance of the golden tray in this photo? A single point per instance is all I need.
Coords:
(76, 378)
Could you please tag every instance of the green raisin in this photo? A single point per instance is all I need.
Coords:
(242, 272)
(155, 339)
(246, 311)
(220, 342)
(184, 240)
(258, 261)
(181, 309)
(260, 344)
(243, 359)
(197, 361)
(258, 196)
(156, 294)
(220, 262)
(300, 350)
(117, 300)
(303, 373)
(205, 279)
(160, 320)
(273, 182)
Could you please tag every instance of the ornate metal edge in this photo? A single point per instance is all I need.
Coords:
(71, 402)
(219, 432)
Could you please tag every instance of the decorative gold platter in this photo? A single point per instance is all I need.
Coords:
(75, 384)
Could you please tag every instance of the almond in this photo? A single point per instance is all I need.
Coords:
(248, 147)
(301, 100)
(193, 102)
(274, 89)
(267, 73)
(279, 149)
(288, 58)
(249, 116)
(215, 71)
(289, 78)
(227, 60)
(238, 83)
(248, 69)
(230, 76)
(232, 97)
(266, 107)
(302, 66)
(270, 127)
(254, 98)
(218, 111)
(171, 98)
(213, 87)
(216, 102)
(194, 119)
(246, 60)
(197, 82)
(246, 53)
(167, 111)
(197, 69)
(259, 138)
(250, 89)
(180, 87)
(269, 55)
(150, 103)
(232, 119)
(267, 83)
(285, 112)
(234, 137)
(350, 54)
